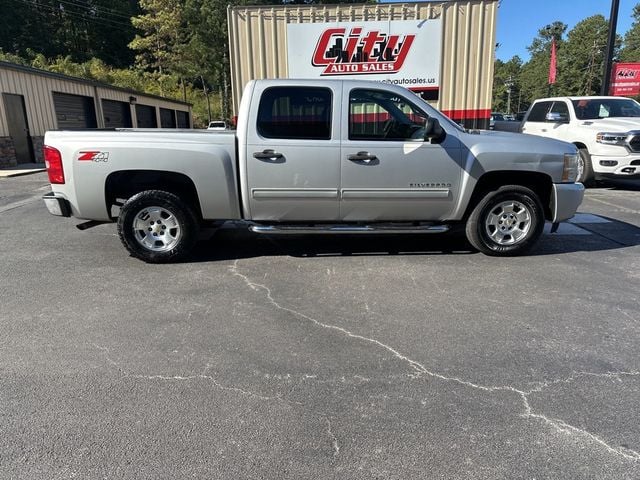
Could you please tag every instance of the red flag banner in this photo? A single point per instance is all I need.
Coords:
(552, 63)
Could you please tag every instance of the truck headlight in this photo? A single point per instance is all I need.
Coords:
(570, 170)
(611, 138)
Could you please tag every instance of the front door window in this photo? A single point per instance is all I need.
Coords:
(383, 116)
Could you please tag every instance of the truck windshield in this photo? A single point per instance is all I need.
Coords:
(592, 109)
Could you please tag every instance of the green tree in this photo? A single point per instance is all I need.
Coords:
(80, 28)
(581, 62)
(630, 51)
(535, 73)
(164, 34)
(208, 46)
(506, 84)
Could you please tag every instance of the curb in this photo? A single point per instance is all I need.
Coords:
(15, 172)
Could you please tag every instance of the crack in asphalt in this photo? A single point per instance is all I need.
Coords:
(335, 446)
(420, 370)
(201, 376)
(334, 440)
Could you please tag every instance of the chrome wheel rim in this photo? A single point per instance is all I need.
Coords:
(508, 222)
(157, 229)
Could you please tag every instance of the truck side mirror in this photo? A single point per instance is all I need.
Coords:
(433, 130)
(556, 117)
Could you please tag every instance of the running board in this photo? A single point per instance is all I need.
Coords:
(346, 229)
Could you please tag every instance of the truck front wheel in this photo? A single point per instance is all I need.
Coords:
(506, 222)
(157, 226)
(585, 169)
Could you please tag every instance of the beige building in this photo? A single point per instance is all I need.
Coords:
(34, 101)
(441, 50)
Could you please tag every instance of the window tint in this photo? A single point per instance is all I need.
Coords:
(380, 115)
(295, 112)
(539, 112)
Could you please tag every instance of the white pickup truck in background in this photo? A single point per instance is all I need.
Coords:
(606, 131)
(336, 156)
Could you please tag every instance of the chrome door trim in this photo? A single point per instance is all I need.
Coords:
(394, 194)
(292, 193)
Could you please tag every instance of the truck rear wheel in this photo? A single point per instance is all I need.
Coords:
(506, 222)
(157, 227)
(585, 169)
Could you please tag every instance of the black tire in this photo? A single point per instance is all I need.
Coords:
(497, 229)
(585, 168)
(168, 232)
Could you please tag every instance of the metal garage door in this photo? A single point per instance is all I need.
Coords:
(146, 115)
(74, 111)
(183, 119)
(116, 114)
(167, 118)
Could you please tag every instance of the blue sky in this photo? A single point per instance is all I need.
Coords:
(520, 20)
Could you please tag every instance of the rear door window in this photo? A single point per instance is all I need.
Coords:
(295, 113)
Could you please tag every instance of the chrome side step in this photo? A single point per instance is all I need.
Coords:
(346, 229)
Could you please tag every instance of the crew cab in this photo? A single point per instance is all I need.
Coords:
(328, 156)
(606, 131)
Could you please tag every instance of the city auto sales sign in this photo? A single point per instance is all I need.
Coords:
(402, 52)
(343, 51)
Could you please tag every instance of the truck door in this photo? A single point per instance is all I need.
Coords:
(558, 121)
(293, 153)
(536, 122)
(389, 172)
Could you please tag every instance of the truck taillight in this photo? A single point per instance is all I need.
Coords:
(53, 162)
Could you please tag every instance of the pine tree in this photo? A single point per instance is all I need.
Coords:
(535, 73)
(163, 38)
(630, 52)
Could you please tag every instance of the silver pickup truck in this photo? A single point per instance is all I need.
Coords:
(309, 156)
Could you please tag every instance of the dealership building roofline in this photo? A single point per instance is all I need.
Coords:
(34, 101)
(86, 81)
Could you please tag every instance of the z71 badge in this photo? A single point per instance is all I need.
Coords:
(93, 156)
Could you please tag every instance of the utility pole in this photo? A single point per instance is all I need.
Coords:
(595, 50)
(205, 90)
(509, 84)
(611, 43)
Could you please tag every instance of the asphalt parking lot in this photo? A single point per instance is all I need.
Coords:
(316, 357)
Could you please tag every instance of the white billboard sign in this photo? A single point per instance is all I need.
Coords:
(403, 52)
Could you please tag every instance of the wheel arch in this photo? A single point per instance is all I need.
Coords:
(540, 183)
(126, 183)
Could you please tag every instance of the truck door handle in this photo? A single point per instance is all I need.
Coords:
(267, 155)
(362, 157)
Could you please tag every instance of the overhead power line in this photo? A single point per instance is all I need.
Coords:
(79, 16)
(93, 8)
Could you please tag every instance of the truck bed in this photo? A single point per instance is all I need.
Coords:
(95, 156)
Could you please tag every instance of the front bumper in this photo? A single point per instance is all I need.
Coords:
(57, 204)
(616, 167)
(565, 200)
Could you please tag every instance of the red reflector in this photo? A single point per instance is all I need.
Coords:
(53, 162)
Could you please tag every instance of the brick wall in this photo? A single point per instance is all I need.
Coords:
(7, 152)
(37, 143)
